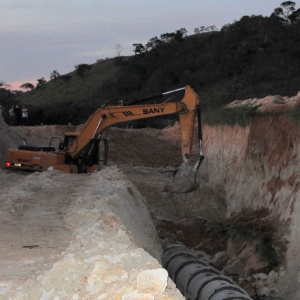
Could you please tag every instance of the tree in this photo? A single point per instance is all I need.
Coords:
(212, 28)
(203, 29)
(41, 83)
(196, 31)
(288, 8)
(139, 48)
(295, 17)
(66, 78)
(284, 12)
(81, 69)
(153, 43)
(183, 31)
(167, 37)
(27, 86)
(3, 85)
(119, 49)
(54, 75)
(178, 36)
(199, 30)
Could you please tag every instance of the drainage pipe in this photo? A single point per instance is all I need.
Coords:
(196, 279)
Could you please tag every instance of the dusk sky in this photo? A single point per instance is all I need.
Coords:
(40, 36)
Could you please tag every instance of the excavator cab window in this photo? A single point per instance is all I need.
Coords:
(69, 139)
(55, 142)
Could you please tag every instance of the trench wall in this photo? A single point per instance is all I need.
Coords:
(258, 167)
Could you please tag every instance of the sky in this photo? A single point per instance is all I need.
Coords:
(40, 36)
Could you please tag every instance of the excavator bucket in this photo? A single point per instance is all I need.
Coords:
(186, 179)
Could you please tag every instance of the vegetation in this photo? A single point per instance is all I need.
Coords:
(240, 115)
(27, 86)
(54, 75)
(81, 69)
(252, 57)
(40, 83)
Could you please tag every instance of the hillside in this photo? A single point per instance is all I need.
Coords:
(253, 57)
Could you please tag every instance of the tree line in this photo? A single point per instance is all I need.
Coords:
(251, 57)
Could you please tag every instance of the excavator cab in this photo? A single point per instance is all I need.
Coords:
(69, 138)
(93, 158)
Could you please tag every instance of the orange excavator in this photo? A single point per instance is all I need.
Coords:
(86, 151)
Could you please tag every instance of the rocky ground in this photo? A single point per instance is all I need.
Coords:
(76, 237)
(88, 237)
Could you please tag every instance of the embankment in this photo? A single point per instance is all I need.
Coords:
(258, 167)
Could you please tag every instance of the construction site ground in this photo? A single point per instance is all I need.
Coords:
(95, 236)
(36, 215)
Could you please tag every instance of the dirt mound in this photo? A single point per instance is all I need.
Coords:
(270, 103)
(100, 223)
(41, 135)
(90, 242)
(143, 147)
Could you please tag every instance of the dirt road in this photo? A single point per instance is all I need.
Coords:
(32, 228)
(76, 237)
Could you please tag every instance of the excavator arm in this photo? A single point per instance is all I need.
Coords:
(188, 108)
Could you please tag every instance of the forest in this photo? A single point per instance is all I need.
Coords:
(252, 57)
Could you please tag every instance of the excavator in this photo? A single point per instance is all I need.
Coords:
(86, 151)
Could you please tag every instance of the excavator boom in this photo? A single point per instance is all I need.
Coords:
(111, 115)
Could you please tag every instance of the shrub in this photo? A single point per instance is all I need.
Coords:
(240, 115)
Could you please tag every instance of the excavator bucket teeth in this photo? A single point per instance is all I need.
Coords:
(185, 180)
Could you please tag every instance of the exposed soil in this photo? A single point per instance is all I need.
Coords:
(37, 211)
(32, 232)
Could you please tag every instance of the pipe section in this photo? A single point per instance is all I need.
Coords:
(196, 279)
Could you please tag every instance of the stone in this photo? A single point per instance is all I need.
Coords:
(220, 259)
(138, 296)
(152, 281)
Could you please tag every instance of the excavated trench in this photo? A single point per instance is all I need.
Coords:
(238, 255)
(246, 227)
(242, 214)
(196, 274)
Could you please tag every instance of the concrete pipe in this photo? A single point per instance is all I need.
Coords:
(196, 279)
